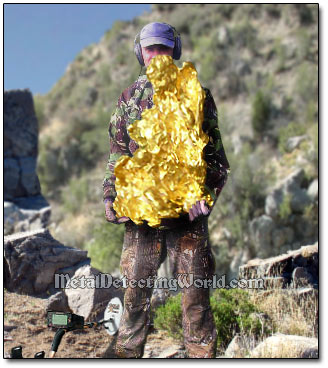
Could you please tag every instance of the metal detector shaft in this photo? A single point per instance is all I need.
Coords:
(56, 341)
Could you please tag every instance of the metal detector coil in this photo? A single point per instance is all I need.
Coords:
(113, 314)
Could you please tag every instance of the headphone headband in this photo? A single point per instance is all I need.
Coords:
(176, 49)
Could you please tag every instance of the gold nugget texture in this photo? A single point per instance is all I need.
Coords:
(166, 175)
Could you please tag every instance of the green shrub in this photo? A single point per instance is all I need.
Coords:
(75, 194)
(244, 35)
(281, 55)
(39, 110)
(244, 193)
(106, 246)
(50, 169)
(272, 10)
(261, 108)
(304, 44)
(291, 130)
(284, 208)
(168, 317)
(306, 85)
(232, 311)
(112, 33)
(304, 13)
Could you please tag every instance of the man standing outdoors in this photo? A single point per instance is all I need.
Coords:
(185, 239)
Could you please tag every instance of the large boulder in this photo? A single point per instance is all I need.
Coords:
(25, 209)
(33, 258)
(291, 187)
(20, 145)
(26, 214)
(91, 300)
(261, 235)
(20, 124)
(85, 292)
(298, 267)
(286, 346)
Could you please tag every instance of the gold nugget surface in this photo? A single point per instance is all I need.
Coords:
(166, 175)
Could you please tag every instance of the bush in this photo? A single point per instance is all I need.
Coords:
(75, 194)
(244, 193)
(261, 108)
(232, 310)
(291, 130)
(285, 209)
(106, 246)
(39, 110)
(304, 13)
(281, 55)
(244, 35)
(168, 317)
(306, 85)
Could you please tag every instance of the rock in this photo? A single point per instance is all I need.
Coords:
(159, 297)
(174, 351)
(32, 259)
(310, 353)
(281, 236)
(91, 96)
(12, 216)
(261, 234)
(26, 214)
(91, 300)
(241, 67)
(273, 202)
(294, 142)
(285, 346)
(11, 177)
(223, 36)
(58, 302)
(239, 259)
(20, 145)
(20, 124)
(291, 187)
(237, 347)
(283, 266)
(301, 277)
(28, 176)
(313, 190)
(299, 200)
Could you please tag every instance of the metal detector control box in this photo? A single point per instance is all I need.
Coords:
(64, 320)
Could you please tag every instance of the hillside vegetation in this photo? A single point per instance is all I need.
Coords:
(260, 63)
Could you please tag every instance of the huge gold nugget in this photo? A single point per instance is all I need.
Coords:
(166, 175)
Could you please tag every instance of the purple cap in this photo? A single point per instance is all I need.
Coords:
(157, 33)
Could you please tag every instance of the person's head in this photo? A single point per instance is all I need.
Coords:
(149, 52)
(157, 39)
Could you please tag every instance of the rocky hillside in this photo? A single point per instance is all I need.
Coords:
(261, 64)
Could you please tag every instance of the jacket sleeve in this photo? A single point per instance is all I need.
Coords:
(218, 167)
(117, 147)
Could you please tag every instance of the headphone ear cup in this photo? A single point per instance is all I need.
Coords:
(177, 48)
(138, 53)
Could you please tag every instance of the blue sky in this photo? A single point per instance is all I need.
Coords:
(40, 40)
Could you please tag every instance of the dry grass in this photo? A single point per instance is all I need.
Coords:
(290, 314)
(285, 313)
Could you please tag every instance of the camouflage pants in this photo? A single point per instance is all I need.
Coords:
(188, 248)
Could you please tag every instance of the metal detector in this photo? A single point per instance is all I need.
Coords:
(66, 322)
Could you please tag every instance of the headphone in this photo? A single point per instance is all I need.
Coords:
(176, 50)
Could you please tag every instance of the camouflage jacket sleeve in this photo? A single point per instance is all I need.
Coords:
(218, 166)
(117, 146)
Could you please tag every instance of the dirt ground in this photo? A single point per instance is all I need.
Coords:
(25, 322)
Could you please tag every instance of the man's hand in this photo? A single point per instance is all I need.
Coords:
(200, 208)
(110, 213)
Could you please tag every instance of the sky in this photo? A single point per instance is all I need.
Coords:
(40, 40)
